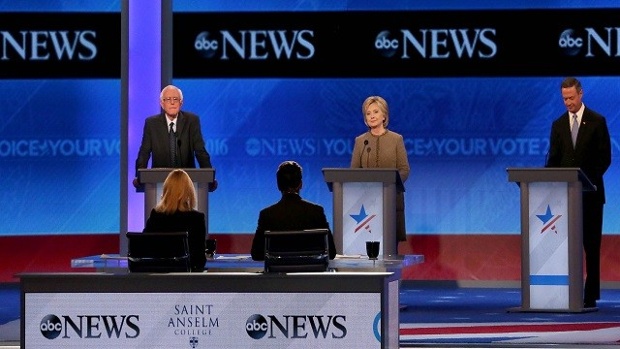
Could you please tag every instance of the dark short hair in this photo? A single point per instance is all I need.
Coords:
(288, 176)
(571, 81)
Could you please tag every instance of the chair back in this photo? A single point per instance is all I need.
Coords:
(297, 250)
(158, 252)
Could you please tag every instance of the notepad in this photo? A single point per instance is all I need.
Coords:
(349, 256)
(113, 256)
(235, 257)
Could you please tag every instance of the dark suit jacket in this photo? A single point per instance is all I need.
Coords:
(193, 222)
(290, 213)
(155, 142)
(592, 152)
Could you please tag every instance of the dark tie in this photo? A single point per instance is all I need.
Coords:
(574, 129)
(173, 146)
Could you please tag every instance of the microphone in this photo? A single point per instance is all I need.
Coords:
(178, 151)
(367, 155)
(362, 153)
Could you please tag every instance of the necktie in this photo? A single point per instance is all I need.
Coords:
(574, 129)
(173, 146)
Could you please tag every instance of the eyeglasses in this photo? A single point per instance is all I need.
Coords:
(171, 99)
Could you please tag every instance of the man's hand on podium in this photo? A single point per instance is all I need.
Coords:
(139, 186)
(213, 186)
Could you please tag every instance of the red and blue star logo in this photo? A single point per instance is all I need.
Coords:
(548, 220)
(362, 219)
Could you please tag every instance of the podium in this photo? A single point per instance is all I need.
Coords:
(364, 208)
(551, 238)
(153, 180)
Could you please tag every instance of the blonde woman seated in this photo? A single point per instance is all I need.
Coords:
(175, 212)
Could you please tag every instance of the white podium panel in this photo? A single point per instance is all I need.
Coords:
(364, 208)
(548, 246)
(363, 215)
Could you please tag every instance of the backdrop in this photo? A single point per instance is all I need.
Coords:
(60, 139)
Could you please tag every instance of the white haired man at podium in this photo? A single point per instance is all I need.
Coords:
(172, 138)
(580, 138)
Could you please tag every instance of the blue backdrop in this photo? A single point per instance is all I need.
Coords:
(60, 139)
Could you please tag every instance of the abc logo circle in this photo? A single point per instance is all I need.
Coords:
(256, 326)
(570, 44)
(385, 45)
(205, 45)
(50, 326)
(252, 147)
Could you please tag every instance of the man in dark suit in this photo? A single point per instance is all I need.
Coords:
(290, 213)
(591, 152)
(173, 138)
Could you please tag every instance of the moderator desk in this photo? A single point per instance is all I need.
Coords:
(210, 310)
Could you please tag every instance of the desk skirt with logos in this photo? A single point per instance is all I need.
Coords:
(210, 310)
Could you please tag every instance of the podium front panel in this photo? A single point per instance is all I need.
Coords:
(362, 216)
(548, 245)
(374, 190)
(551, 237)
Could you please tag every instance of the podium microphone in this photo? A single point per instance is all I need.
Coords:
(178, 151)
(362, 153)
(367, 155)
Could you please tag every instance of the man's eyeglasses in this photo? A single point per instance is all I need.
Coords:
(171, 99)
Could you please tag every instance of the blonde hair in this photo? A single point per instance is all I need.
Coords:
(381, 103)
(179, 193)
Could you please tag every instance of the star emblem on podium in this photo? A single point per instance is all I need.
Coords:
(548, 220)
(362, 219)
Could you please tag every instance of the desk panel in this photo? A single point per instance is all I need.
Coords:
(212, 309)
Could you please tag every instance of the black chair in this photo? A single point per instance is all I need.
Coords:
(297, 251)
(158, 252)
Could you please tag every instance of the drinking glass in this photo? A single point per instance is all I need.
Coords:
(372, 249)
(211, 245)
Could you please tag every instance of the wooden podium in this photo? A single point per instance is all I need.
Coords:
(551, 238)
(153, 180)
(364, 208)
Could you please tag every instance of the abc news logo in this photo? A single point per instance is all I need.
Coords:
(48, 45)
(438, 43)
(90, 326)
(605, 42)
(257, 44)
(296, 326)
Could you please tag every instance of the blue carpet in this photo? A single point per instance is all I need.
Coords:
(446, 305)
(9, 302)
(481, 315)
(9, 312)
